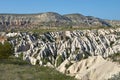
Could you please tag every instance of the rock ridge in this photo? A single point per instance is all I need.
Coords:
(52, 19)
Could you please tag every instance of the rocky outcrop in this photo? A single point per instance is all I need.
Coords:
(65, 50)
(49, 19)
(92, 68)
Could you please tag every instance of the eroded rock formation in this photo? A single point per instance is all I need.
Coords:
(71, 52)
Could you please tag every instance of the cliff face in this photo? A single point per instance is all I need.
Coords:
(80, 53)
(49, 19)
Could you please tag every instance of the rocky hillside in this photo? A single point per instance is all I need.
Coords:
(79, 53)
(81, 20)
(115, 23)
(50, 19)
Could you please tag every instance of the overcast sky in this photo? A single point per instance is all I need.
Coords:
(106, 9)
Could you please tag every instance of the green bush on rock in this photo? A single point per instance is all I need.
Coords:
(59, 60)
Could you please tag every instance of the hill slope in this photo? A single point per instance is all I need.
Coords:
(50, 19)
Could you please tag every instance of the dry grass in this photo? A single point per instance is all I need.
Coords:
(15, 69)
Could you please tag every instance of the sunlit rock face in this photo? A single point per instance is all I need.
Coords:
(64, 48)
(72, 45)
(93, 68)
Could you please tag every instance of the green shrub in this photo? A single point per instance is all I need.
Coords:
(68, 65)
(6, 50)
(115, 57)
(59, 60)
(45, 60)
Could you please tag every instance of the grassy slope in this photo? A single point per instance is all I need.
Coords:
(15, 69)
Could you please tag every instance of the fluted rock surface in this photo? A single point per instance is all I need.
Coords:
(92, 68)
(73, 45)
(65, 48)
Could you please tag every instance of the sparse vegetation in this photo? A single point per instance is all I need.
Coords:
(45, 60)
(115, 77)
(86, 55)
(64, 28)
(68, 65)
(16, 69)
(76, 50)
(59, 60)
(115, 57)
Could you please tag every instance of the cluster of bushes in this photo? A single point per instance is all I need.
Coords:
(6, 50)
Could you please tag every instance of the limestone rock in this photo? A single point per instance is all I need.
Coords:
(94, 68)
(79, 53)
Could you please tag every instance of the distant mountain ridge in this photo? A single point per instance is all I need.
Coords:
(51, 19)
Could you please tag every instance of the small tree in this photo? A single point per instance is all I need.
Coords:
(6, 50)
